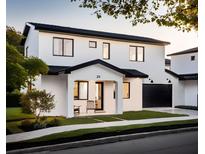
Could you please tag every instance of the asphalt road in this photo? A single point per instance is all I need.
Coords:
(180, 143)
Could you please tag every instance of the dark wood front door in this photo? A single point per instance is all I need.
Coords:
(99, 96)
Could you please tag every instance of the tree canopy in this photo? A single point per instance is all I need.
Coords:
(34, 67)
(19, 69)
(181, 14)
(16, 74)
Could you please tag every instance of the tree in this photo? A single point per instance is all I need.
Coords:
(181, 14)
(37, 101)
(14, 38)
(16, 74)
(34, 67)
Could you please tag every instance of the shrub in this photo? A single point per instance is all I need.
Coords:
(27, 125)
(54, 122)
(37, 101)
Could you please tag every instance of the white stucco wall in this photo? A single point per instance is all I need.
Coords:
(182, 64)
(134, 103)
(191, 92)
(119, 54)
(32, 43)
(56, 85)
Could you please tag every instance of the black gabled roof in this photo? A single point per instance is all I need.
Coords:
(70, 30)
(135, 73)
(192, 50)
(193, 76)
(55, 70)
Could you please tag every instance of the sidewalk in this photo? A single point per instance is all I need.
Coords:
(42, 132)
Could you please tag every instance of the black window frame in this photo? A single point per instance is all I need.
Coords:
(193, 58)
(63, 46)
(78, 97)
(26, 52)
(108, 50)
(128, 89)
(93, 42)
(136, 52)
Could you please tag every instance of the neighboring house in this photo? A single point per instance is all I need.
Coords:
(109, 72)
(184, 66)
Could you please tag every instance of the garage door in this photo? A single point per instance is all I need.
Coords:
(157, 95)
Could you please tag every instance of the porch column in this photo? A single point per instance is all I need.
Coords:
(70, 96)
(118, 97)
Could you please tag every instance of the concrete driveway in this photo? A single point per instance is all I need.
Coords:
(174, 110)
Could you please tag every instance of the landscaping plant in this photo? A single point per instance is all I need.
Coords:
(38, 102)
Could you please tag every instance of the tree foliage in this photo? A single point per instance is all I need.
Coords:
(14, 38)
(16, 74)
(37, 102)
(34, 67)
(19, 69)
(181, 14)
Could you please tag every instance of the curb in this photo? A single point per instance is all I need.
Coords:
(98, 141)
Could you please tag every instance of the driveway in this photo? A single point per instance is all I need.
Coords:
(174, 110)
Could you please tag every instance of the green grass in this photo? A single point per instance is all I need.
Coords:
(137, 115)
(15, 113)
(117, 129)
(14, 116)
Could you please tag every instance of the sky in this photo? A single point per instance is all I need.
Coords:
(66, 13)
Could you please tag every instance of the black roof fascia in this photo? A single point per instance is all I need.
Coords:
(55, 28)
(192, 50)
(193, 76)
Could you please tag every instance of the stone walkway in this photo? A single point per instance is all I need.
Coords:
(42, 132)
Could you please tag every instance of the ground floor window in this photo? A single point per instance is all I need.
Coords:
(126, 90)
(81, 90)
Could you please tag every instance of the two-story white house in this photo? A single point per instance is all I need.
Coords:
(184, 66)
(93, 72)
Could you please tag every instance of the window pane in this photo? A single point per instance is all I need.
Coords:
(132, 53)
(92, 44)
(58, 46)
(106, 51)
(76, 90)
(68, 47)
(83, 91)
(140, 54)
(126, 90)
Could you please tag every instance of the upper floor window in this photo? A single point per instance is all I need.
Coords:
(92, 44)
(136, 53)
(192, 58)
(126, 90)
(106, 50)
(62, 47)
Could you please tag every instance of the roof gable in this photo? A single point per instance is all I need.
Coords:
(55, 70)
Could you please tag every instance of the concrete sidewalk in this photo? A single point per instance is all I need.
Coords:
(42, 132)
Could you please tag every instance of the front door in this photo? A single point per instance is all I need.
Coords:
(99, 96)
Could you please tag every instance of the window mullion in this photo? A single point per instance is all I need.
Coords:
(136, 54)
(62, 47)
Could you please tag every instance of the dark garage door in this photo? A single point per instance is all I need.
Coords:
(157, 95)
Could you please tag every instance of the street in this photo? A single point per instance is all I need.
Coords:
(180, 143)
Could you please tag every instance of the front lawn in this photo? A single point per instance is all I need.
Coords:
(15, 116)
(86, 134)
(15, 113)
(137, 115)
